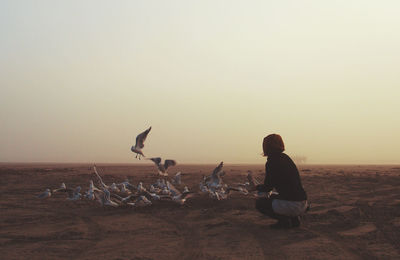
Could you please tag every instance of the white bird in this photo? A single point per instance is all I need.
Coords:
(185, 189)
(114, 188)
(215, 180)
(203, 187)
(162, 168)
(46, 194)
(103, 185)
(62, 187)
(176, 180)
(160, 184)
(75, 194)
(142, 201)
(92, 187)
(154, 196)
(221, 195)
(214, 186)
(140, 187)
(103, 197)
(124, 189)
(165, 191)
(89, 194)
(150, 195)
(154, 189)
(122, 200)
(253, 182)
(127, 185)
(174, 191)
(137, 148)
(177, 196)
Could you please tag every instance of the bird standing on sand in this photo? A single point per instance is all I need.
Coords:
(177, 179)
(177, 196)
(137, 148)
(103, 197)
(62, 187)
(45, 194)
(89, 194)
(142, 201)
(162, 168)
(74, 194)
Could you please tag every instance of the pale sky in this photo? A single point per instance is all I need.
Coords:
(80, 79)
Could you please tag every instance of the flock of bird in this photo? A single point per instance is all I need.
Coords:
(127, 194)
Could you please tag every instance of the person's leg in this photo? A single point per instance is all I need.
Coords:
(264, 205)
(295, 221)
(292, 209)
(284, 222)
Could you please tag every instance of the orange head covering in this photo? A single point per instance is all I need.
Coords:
(272, 144)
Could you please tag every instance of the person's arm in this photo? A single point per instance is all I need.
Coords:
(267, 186)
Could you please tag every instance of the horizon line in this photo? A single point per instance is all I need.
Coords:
(185, 163)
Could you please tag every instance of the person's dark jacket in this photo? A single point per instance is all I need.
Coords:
(282, 174)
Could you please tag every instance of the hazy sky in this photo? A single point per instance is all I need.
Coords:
(80, 79)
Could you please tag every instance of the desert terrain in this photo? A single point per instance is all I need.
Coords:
(355, 214)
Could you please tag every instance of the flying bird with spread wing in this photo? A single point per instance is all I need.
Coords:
(137, 148)
(162, 168)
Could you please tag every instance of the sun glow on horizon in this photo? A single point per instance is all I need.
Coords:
(79, 80)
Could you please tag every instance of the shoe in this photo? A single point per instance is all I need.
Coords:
(308, 207)
(295, 222)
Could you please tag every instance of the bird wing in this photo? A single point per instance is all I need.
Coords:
(177, 178)
(141, 138)
(156, 160)
(169, 163)
(103, 185)
(129, 198)
(229, 189)
(174, 191)
(253, 182)
(215, 176)
(99, 195)
(218, 168)
(91, 186)
(107, 194)
(115, 196)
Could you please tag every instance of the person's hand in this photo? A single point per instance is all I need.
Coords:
(261, 187)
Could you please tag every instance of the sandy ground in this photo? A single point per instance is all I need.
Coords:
(355, 215)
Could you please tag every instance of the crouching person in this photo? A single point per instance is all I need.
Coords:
(290, 199)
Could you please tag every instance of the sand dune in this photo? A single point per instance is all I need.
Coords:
(355, 215)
